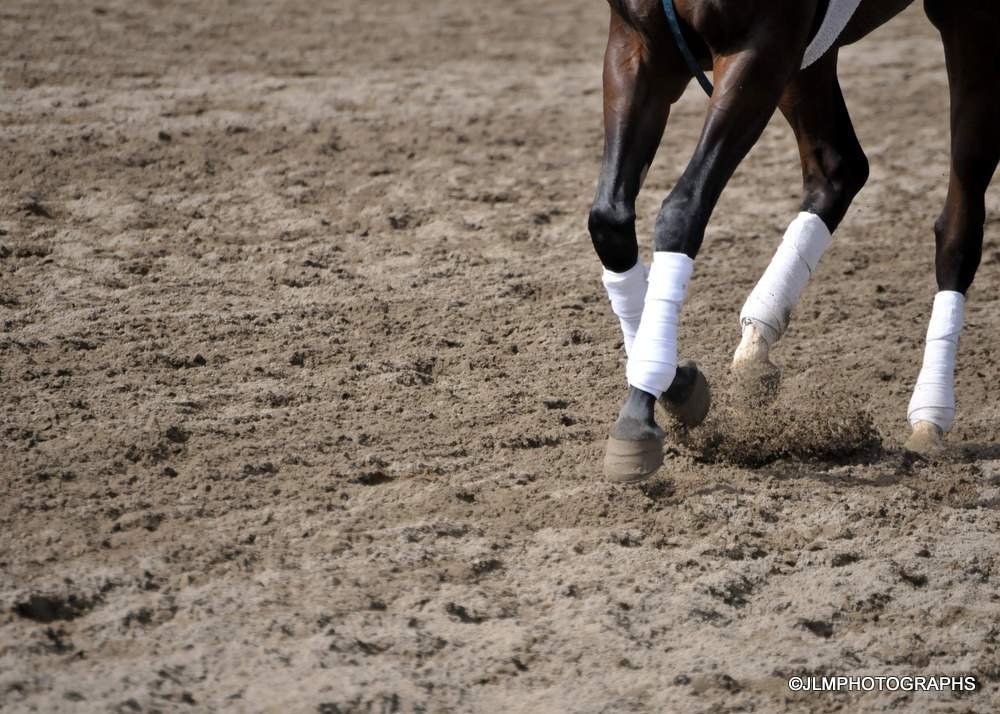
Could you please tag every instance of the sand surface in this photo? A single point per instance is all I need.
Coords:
(306, 368)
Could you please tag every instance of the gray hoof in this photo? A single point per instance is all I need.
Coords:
(689, 397)
(632, 461)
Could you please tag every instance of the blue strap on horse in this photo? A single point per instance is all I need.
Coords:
(682, 45)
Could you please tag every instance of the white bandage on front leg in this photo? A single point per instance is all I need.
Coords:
(652, 364)
(934, 396)
(771, 302)
(627, 293)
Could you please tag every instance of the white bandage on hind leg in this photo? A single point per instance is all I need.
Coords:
(776, 293)
(652, 364)
(934, 396)
(627, 293)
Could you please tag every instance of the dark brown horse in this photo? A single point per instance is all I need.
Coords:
(755, 49)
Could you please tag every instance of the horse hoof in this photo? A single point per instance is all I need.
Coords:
(689, 398)
(632, 461)
(757, 383)
(927, 439)
(753, 348)
(757, 378)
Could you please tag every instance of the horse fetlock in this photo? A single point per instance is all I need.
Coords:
(652, 364)
(772, 300)
(933, 400)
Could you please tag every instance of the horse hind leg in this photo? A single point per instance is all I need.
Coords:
(969, 31)
(834, 169)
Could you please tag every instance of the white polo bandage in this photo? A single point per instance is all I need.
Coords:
(771, 302)
(934, 396)
(652, 363)
(627, 293)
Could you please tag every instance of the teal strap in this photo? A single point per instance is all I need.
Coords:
(682, 45)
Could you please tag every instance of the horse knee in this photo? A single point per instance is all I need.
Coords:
(832, 186)
(612, 231)
(680, 224)
(848, 175)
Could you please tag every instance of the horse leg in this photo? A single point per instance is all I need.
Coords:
(641, 81)
(643, 77)
(749, 83)
(834, 169)
(970, 32)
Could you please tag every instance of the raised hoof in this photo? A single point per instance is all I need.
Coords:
(757, 378)
(927, 439)
(689, 397)
(631, 461)
(757, 383)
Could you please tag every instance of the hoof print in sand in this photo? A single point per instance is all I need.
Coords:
(49, 608)
(461, 614)
(820, 628)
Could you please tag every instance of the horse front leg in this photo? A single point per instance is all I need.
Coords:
(641, 81)
(970, 32)
(644, 75)
(834, 170)
(750, 78)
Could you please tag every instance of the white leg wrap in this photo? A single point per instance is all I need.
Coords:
(934, 396)
(772, 299)
(652, 364)
(627, 292)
